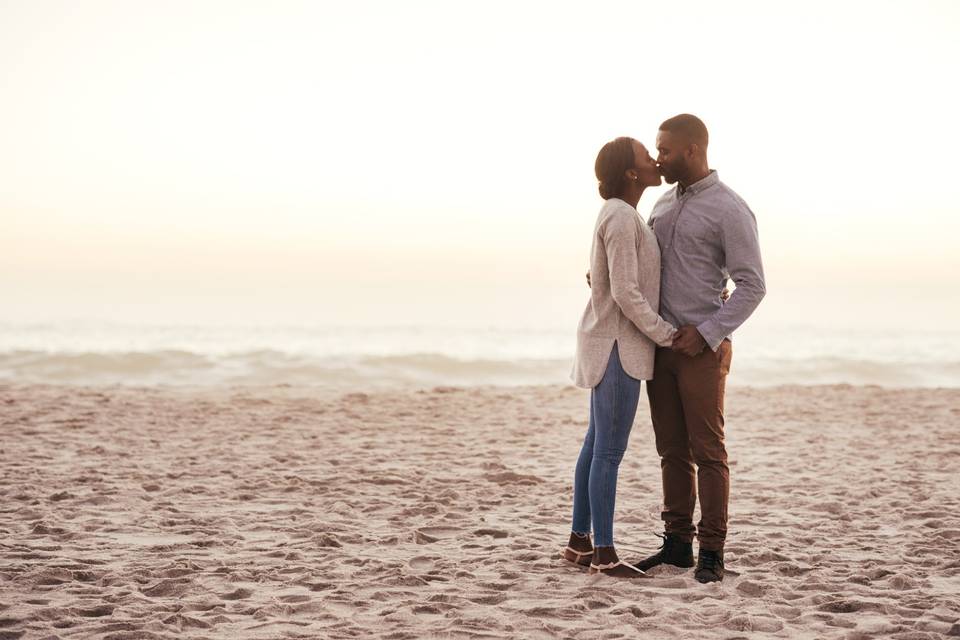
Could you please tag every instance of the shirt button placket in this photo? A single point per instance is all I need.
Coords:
(673, 227)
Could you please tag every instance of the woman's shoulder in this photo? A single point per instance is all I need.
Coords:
(616, 204)
(617, 212)
(617, 208)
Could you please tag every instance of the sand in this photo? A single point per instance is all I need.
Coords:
(295, 513)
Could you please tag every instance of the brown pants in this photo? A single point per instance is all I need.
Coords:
(686, 403)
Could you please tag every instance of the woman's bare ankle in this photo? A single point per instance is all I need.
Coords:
(605, 555)
(580, 541)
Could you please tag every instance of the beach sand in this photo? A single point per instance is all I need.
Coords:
(291, 512)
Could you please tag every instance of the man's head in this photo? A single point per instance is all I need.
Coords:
(682, 148)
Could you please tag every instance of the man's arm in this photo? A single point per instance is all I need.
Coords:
(741, 246)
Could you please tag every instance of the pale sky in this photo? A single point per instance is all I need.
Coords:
(374, 161)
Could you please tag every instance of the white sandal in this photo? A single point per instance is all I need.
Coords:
(603, 568)
(579, 558)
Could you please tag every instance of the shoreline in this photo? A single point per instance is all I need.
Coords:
(286, 387)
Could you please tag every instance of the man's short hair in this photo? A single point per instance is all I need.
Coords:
(689, 126)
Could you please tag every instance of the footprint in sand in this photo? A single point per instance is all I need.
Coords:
(841, 606)
(753, 623)
(492, 598)
(427, 535)
(167, 588)
(238, 594)
(903, 583)
(422, 563)
(791, 569)
(50, 577)
(509, 477)
(786, 612)
(326, 540)
(294, 599)
(672, 583)
(431, 609)
(593, 604)
(632, 610)
(751, 588)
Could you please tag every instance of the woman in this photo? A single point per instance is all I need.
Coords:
(616, 340)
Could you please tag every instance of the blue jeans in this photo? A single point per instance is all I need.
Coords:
(613, 406)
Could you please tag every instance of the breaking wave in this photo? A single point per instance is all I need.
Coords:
(271, 367)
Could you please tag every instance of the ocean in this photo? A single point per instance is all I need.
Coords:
(341, 357)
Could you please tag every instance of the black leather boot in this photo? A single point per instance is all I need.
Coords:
(709, 566)
(672, 551)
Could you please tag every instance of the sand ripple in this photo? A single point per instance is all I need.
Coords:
(294, 513)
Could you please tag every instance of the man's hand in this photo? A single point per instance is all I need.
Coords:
(588, 279)
(688, 341)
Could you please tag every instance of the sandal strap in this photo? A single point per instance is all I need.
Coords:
(579, 554)
(613, 565)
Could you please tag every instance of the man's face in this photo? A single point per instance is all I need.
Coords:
(671, 156)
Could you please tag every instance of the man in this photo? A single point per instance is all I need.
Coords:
(707, 235)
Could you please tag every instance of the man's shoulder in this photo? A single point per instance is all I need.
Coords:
(665, 200)
(668, 196)
(730, 201)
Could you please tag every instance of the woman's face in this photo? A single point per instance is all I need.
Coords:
(646, 167)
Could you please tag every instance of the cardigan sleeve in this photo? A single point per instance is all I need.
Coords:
(621, 241)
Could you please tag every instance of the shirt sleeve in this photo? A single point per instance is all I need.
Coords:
(620, 241)
(741, 246)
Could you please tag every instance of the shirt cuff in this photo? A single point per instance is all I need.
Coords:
(668, 336)
(711, 333)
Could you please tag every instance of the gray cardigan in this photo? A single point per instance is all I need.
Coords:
(624, 298)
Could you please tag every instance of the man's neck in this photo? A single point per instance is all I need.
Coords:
(693, 178)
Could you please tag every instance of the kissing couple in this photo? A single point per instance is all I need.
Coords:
(659, 311)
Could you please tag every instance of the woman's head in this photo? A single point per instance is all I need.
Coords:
(624, 165)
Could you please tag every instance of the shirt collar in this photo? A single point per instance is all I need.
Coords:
(700, 185)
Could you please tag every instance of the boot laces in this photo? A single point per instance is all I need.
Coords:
(668, 541)
(663, 539)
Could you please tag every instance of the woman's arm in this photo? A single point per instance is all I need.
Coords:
(620, 241)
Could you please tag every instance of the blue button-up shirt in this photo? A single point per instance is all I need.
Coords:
(707, 235)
